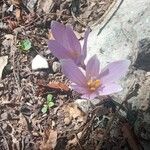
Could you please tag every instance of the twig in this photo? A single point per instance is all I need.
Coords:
(89, 123)
(108, 128)
(33, 23)
(80, 146)
(16, 77)
(77, 19)
(108, 16)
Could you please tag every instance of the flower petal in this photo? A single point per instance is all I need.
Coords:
(90, 96)
(59, 33)
(73, 41)
(109, 89)
(58, 50)
(79, 89)
(84, 49)
(92, 68)
(114, 71)
(72, 72)
(65, 36)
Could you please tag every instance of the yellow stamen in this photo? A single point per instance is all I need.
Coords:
(93, 84)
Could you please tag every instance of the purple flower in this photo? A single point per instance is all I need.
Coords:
(92, 82)
(66, 45)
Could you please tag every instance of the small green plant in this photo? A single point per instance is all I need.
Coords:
(25, 45)
(49, 104)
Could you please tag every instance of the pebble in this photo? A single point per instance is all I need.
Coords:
(56, 66)
(1, 85)
(39, 62)
(84, 105)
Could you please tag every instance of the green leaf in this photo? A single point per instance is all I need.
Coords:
(25, 45)
(51, 104)
(44, 109)
(49, 98)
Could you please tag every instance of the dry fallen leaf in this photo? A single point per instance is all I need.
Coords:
(20, 5)
(22, 123)
(73, 112)
(74, 141)
(49, 141)
(50, 35)
(45, 5)
(3, 63)
(9, 37)
(18, 14)
(58, 85)
(12, 24)
(8, 41)
(16, 2)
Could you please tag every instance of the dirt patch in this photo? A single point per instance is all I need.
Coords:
(23, 92)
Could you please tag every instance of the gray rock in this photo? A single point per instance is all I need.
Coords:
(86, 105)
(141, 98)
(118, 40)
(95, 101)
(56, 66)
(143, 122)
(126, 36)
(143, 58)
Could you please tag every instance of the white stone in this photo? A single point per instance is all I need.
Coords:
(56, 66)
(39, 62)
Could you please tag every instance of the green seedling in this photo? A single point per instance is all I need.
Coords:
(44, 109)
(25, 45)
(49, 104)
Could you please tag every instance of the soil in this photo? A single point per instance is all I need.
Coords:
(23, 92)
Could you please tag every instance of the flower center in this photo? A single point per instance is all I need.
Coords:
(93, 84)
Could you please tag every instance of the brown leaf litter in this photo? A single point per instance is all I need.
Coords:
(22, 124)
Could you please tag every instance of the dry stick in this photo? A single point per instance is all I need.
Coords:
(80, 146)
(77, 19)
(105, 14)
(102, 18)
(108, 15)
(88, 124)
(41, 15)
(108, 128)
(16, 77)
